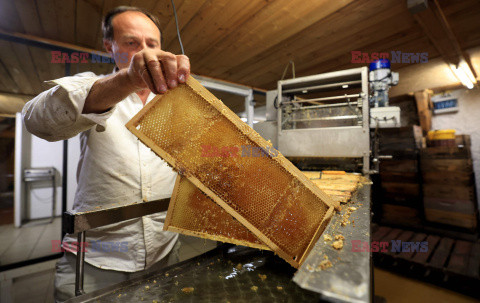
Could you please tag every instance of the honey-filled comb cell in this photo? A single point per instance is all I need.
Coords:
(227, 160)
(193, 213)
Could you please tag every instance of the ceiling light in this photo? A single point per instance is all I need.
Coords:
(466, 69)
(462, 76)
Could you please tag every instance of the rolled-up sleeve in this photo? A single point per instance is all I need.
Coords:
(56, 114)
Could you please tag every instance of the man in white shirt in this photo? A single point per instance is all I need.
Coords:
(115, 168)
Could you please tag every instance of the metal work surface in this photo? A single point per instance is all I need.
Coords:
(348, 280)
(225, 274)
(78, 222)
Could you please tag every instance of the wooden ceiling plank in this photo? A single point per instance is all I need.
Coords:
(9, 19)
(48, 18)
(338, 61)
(7, 80)
(341, 63)
(27, 11)
(12, 63)
(361, 15)
(401, 41)
(41, 64)
(465, 25)
(65, 12)
(57, 70)
(164, 12)
(454, 7)
(3, 87)
(185, 12)
(206, 24)
(216, 29)
(204, 17)
(147, 5)
(88, 22)
(436, 27)
(301, 49)
(280, 20)
(11, 104)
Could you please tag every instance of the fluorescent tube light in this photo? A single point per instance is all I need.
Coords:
(462, 76)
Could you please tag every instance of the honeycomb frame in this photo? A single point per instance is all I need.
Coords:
(187, 197)
(143, 126)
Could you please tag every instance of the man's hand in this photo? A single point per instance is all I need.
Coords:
(150, 68)
(158, 70)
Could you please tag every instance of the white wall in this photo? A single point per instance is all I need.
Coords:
(465, 121)
(45, 154)
(31, 151)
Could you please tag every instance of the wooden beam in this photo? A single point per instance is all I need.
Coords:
(48, 43)
(438, 30)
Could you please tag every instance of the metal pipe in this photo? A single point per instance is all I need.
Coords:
(324, 99)
(326, 118)
(249, 108)
(326, 105)
(80, 264)
(301, 89)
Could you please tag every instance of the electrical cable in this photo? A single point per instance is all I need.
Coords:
(178, 30)
(286, 68)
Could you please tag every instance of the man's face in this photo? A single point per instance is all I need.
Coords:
(132, 32)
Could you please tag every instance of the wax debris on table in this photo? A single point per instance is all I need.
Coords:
(338, 244)
(324, 265)
(262, 277)
(188, 290)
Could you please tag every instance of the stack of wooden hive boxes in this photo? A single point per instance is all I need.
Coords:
(400, 195)
(449, 184)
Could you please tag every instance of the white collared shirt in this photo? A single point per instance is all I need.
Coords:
(115, 169)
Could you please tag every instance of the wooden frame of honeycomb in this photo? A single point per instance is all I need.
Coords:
(265, 192)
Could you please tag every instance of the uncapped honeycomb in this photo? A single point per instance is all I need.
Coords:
(192, 212)
(261, 189)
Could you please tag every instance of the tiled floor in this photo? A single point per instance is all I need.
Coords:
(29, 241)
(33, 288)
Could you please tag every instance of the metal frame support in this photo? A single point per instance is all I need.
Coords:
(80, 263)
(79, 223)
(344, 141)
(249, 108)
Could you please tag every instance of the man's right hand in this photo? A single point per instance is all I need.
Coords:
(151, 69)
(157, 70)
